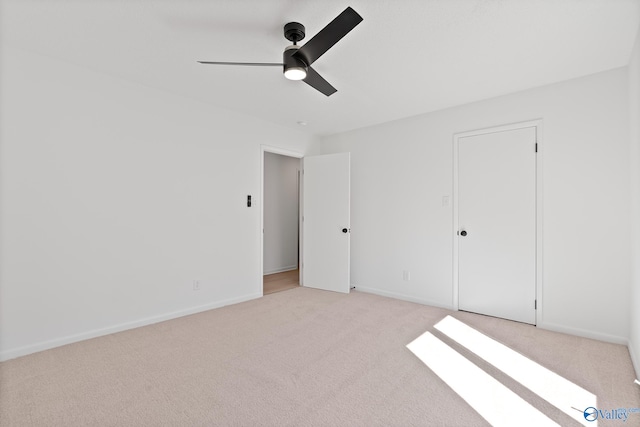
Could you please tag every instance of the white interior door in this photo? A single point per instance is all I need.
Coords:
(326, 222)
(497, 224)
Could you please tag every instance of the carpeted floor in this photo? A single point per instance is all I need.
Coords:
(302, 357)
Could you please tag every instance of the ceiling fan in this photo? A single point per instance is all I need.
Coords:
(297, 60)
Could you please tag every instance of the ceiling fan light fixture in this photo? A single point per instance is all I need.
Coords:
(294, 68)
(295, 73)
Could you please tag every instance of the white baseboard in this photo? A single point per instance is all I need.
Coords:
(614, 339)
(548, 326)
(280, 270)
(57, 342)
(402, 297)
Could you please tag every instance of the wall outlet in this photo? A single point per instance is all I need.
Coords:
(196, 285)
(406, 275)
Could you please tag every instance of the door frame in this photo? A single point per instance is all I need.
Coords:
(283, 152)
(537, 124)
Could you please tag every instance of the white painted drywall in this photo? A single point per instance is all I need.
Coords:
(280, 213)
(634, 115)
(115, 197)
(402, 170)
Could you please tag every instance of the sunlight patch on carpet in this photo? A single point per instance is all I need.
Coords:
(560, 392)
(486, 395)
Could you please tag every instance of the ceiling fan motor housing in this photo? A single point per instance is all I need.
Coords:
(291, 62)
(294, 68)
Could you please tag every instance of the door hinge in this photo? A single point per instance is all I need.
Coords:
(535, 304)
(536, 147)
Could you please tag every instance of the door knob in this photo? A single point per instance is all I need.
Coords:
(344, 230)
(463, 233)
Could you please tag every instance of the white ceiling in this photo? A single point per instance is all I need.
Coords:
(406, 58)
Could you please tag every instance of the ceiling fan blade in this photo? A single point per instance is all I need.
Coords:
(317, 82)
(328, 36)
(252, 64)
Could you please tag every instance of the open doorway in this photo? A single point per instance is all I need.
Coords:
(281, 222)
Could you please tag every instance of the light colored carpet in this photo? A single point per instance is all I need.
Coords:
(298, 358)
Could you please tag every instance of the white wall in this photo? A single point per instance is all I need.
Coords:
(634, 114)
(280, 213)
(114, 198)
(402, 170)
